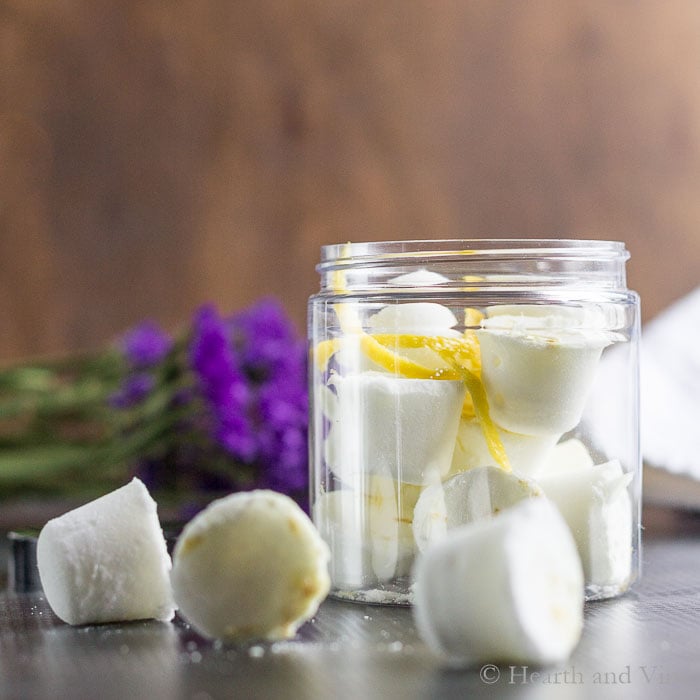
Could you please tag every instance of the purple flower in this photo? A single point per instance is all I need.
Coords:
(273, 358)
(250, 372)
(146, 345)
(283, 414)
(265, 339)
(222, 384)
(133, 391)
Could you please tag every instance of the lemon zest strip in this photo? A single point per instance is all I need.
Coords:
(323, 352)
(488, 427)
(397, 364)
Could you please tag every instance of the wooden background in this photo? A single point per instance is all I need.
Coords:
(155, 155)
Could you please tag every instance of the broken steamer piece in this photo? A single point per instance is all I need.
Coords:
(452, 381)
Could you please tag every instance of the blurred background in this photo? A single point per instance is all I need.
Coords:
(155, 155)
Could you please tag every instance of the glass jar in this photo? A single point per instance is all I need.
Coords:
(449, 379)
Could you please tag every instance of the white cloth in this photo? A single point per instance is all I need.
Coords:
(669, 404)
(670, 388)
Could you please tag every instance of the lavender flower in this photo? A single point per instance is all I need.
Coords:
(283, 435)
(146, 345)
(221, 408)
(245, 422)
(134, 389)
(274, 360)
(222, 384)
(264, 337)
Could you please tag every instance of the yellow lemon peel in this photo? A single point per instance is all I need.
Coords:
(323, 352)
(434, 344)
(464, 356)
(488, 427)
(384, 356)
(472, 317)
(398, 364)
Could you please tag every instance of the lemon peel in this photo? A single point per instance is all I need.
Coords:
(481, 407)
(472, 317)
(463, 355)
(379, 350)
(323, 352)
(397, 364)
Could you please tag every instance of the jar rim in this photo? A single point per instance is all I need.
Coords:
(485, 264)
(470, 248)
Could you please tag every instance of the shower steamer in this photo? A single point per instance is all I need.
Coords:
(250, 566)
(505, 589)
(107, 561)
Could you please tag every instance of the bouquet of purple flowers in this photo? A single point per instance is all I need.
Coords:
(221, 407)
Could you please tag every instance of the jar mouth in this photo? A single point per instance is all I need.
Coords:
(366, 252)
(484, 263)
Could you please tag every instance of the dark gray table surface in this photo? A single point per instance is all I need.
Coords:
(643, 645)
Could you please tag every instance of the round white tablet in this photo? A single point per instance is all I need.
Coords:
(250, 566)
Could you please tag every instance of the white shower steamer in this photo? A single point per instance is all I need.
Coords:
(251, 565)
(506, 589)
(107, 561)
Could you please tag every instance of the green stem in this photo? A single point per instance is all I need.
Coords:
(74, 364)
(47, 461)
(77, 396)
(29, 464)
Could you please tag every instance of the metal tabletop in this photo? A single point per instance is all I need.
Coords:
(645, 644)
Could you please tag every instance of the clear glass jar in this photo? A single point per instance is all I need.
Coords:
(439, 366)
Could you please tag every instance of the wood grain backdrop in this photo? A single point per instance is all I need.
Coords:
(154, 155)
